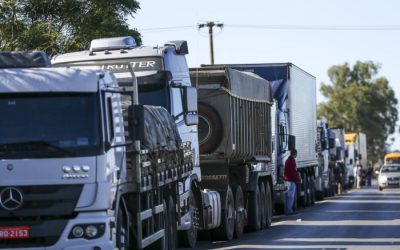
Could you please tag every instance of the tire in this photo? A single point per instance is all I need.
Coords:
(254, 213)
(125, 239)
(240, 218)
(312, 191)
(304, 190)
(380, 188)
(263, 205)
(171, 230)
(227, 227)
(210, 128)
(269, 205)
(319, 195)
(188, 238)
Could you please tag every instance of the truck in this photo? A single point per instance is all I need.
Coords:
(294, 122)
(235, 146)
(163, 80)
(356, 156)
(83, 164)
(340, 155)
(330, 148)
(322, 171)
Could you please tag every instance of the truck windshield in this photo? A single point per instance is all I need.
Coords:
(49, 125)
(153, 90)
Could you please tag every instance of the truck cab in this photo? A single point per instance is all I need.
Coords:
(54, 154)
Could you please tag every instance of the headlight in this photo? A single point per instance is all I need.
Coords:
(382, 178)
(87, 231)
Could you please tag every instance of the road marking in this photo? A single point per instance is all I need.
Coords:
(346, 247)
(339, 223)
(357, 211)
(369, 240)
(361, 201)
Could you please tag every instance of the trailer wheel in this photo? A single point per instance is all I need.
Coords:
(312, 191)
(188, 238)
(171, 225)
(210, 128)
(308, 190)
(263, 205)
(254, 214)
(303, 190)
(240, 212)
(227, 227)
(269, 204)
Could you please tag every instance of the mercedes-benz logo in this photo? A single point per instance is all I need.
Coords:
(11, 199)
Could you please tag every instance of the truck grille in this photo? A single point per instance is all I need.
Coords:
(45, 210)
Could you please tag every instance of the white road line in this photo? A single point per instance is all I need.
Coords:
(339, 223)
(347, 247)
(369, 240)
(361, 201)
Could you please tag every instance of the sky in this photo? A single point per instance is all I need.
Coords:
(312, 50)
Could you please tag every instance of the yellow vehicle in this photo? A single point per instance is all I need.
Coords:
(392, 158)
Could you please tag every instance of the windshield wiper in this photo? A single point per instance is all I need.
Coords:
(29, 145)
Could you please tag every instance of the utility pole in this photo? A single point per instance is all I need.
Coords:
(210, 26)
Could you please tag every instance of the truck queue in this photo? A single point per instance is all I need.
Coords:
(125, 146)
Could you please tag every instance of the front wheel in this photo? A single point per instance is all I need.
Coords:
(188, 238)
(124, 232)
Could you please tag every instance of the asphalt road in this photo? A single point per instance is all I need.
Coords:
(360, 219)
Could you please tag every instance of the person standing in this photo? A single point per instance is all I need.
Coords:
(291, 176)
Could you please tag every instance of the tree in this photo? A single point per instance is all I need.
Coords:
(57, 26)
(361, 102)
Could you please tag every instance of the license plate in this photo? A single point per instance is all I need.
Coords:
(393, 182)
(14, 232)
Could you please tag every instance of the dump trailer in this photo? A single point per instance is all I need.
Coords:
(235, 146)
(295, 120)
(162, 80)
(356, 156)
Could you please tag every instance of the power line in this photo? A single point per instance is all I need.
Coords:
(168, 28)
(317, 27)
(288, 27)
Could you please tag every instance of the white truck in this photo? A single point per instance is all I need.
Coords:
(356, 156)
(163, 80)
(83, 165)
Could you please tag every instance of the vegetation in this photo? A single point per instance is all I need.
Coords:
(56, 26)
(361, 102)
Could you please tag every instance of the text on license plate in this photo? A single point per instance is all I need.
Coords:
(19, 232)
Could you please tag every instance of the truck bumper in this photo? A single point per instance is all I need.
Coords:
(104, 242)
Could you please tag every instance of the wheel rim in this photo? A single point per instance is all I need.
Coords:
(263, 206)
(269, 205)
(192, 232)
(258, 199)
(239, 207)
(230, 216)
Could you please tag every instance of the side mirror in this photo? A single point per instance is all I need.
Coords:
(292, 142)
(190, 106)
(189, 99)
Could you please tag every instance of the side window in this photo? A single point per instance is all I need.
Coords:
(110, 119)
